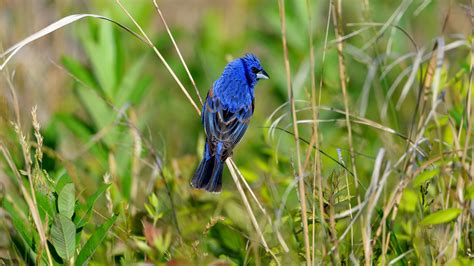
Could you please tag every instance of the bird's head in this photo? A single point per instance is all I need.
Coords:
(253, 68)
(245, 70)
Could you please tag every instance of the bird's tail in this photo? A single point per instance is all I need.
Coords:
(208, 175)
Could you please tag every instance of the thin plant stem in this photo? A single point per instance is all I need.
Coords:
(342, 79)
(301, 184)
(30, 198)
(315, 135)
(160, 56)
(277, 232)
(178, 51)
(233, 173)
(337, 13)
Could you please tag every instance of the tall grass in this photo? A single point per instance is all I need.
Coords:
(355, 84)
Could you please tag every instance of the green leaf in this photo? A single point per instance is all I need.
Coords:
(440, 217)
(129, 82)
(102, 115)
(425, 176)
(61, 180)
(140, 88)
(63, 234)
(94, 241)
(81, 220)
(74, 125)
(102, 53)
(409, 200)
(66, 200)
(46, 205)
(470, 192)
(79, 71)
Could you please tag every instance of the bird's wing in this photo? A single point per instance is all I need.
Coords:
(222, 125)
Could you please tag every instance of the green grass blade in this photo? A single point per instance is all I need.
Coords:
(81, 220)
(94, 241)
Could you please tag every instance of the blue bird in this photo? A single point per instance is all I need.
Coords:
(226, 115)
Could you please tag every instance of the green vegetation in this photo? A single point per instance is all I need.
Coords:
(366, 157)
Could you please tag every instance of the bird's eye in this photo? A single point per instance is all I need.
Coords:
(254, 70)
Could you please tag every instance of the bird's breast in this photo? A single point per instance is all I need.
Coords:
(234, 96)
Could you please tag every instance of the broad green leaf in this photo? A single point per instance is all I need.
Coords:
(62, 180)
(81, 220)
(66, 200)
(440, 217)
(63, 234)
(94, 241)
(425, 176)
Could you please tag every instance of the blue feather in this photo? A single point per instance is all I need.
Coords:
(225, 115)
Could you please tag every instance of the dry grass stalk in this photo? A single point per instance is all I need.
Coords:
(178, 51)
(31, 201)
(277, 232)
(315, 136)
(342, 78)
(468, 112)
(30, 196)
(136, 155)
(317, 177)
(392, 205)
(301, 185)
(248, 207)
(332, 229)
(108, 195)
(10, 52)
(337, 17)
(160, 56)
(375, 191)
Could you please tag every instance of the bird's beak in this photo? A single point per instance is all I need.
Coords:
(262, 75)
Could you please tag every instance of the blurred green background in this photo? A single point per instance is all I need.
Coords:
(106, 104)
